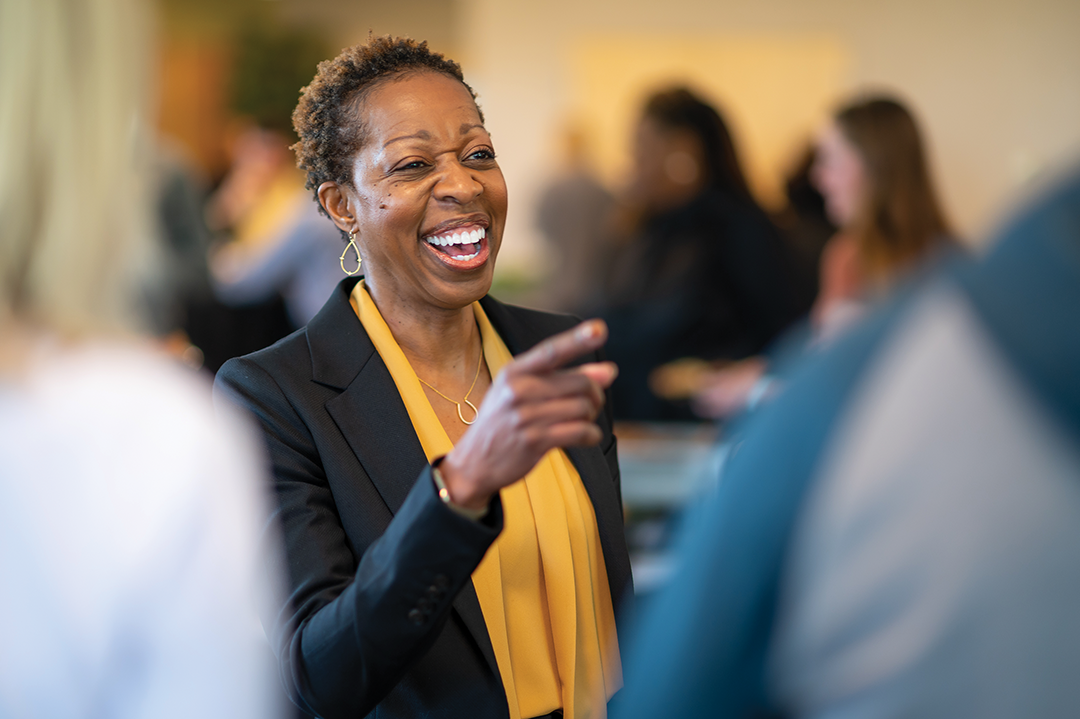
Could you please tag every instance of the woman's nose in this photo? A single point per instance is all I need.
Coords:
(457, 183)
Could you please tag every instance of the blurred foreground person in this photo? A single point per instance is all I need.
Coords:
(129, 514)
(871, 167)
(706, 274)
(898, 535)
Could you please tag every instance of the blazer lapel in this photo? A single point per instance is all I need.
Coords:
(369, 412)
(376, 425)
(373, 420)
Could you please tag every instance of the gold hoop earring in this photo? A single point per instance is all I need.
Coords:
(359, 259)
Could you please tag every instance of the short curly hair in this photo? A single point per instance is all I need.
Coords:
(327, 118)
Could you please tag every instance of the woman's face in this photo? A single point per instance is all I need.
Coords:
(839, 175)
(428, 198)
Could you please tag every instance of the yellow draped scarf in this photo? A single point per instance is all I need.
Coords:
(542, 585)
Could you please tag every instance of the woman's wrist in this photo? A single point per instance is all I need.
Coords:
(454, 490)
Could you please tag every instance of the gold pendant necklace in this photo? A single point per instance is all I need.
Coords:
(464, 400)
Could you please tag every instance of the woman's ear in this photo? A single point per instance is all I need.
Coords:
(336, 203)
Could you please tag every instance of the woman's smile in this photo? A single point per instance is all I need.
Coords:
(464, 247)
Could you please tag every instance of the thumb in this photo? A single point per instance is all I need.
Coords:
(603, 373)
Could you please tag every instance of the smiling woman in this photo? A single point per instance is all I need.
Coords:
(423, 183)
(451, 512)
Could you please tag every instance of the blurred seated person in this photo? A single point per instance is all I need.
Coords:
(280, 245)
(274, 263)
(871, 167)
(704, 273)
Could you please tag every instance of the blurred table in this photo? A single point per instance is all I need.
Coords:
(663, 466)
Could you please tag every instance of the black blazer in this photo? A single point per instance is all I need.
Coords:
(382, 618)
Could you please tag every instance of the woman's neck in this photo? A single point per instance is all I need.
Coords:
(442, 345)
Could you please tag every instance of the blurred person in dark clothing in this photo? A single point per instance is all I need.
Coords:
(805, 224)
(898, 534)
(705, 273)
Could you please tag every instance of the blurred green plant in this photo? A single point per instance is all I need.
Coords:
(272, 64)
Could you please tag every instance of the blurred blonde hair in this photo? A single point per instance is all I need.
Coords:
(75, 235)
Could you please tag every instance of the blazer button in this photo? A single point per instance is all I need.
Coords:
(416, 617)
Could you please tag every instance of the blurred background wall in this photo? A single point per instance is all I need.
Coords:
(996, 83)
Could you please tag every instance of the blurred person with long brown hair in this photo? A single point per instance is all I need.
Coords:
(872, 168)
(129, 512)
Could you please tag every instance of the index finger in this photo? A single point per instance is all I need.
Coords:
(554, 352)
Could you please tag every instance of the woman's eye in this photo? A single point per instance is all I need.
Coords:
(482, 155)
(414, 165)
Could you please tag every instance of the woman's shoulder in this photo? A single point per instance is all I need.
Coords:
(289, 351)
(329, 349)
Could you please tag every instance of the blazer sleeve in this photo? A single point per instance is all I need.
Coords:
(616, 555)
(609, 443)
(352, 625)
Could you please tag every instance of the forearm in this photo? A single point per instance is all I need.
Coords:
(345, 656)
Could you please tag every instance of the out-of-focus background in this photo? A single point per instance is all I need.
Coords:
(996, 83)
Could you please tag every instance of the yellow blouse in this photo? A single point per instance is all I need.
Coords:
(542, 585)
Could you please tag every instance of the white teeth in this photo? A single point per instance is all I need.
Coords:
(458, 238)
(463, 258)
